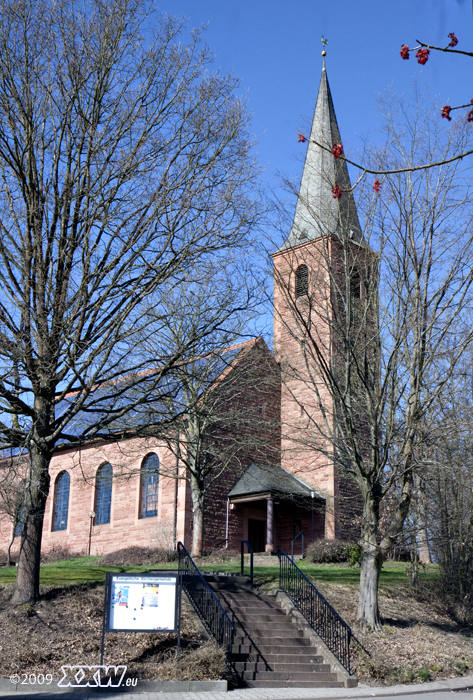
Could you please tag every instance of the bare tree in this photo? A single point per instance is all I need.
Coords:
(12, 490)
(448, 477)
(123, 161)
(223, 398)
(370, 320)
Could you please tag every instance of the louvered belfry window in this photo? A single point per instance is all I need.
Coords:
(302, 281)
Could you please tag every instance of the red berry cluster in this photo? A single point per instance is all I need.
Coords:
(404, 52)
(377, 186)
(453, 38)
(301, 139)
(337, 150)
(422, 56)
(336, 192)
(446, 112)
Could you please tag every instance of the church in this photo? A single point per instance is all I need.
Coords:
(283, 483)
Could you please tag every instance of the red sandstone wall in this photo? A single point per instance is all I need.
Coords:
(253, 399)
(304, 450)
(126, 528)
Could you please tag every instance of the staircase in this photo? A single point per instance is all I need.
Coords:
(268, 650)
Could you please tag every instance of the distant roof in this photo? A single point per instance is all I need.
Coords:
(267, 478)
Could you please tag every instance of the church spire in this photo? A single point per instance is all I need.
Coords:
(318, 213)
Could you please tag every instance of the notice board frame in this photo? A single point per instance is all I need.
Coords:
(176, 576)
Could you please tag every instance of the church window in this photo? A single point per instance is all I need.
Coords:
(302, 281)
(61, 501)
(355, 284)
(103, 494)
(149, 486)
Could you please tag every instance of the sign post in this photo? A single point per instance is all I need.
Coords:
(142, 603)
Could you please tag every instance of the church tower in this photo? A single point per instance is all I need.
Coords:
(319, 261)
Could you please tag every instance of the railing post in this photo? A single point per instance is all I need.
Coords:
(299, 534)
(242, 564)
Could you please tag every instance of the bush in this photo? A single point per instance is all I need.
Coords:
(354, 553)
(58, 553)
(137, 556)
(218, 556)
(328, 551)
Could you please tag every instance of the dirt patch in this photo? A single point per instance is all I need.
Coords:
(422, 640)
(65, 628)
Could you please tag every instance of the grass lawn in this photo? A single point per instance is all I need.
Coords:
(82, 570)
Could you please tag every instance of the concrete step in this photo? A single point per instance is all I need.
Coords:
(220, 582)
(263, 645)
(266, 628)
(302, 656)
(269, 651)
(260, 666)
(246, 603)
(288, 676)
(270, 616)
(292, 684)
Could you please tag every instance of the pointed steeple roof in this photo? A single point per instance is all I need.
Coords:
(318, 213)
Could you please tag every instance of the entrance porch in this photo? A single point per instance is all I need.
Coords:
(268, 506)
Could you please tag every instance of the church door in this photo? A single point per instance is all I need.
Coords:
(257, 534)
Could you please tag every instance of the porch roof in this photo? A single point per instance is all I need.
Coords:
(270, 480)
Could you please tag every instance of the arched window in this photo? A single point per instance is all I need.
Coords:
(103, 494)
(61, 501)
(302, 281)
(149, 485)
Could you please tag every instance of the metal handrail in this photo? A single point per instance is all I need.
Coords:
(204, 601)
(299, 534)
(242, 563)
(317, 611)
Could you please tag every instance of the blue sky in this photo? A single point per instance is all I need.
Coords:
(274, 47)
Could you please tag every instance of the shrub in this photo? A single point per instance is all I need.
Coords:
(354, 553)
(328, 551)
(219, 555)
(137, 556)
(58, 553)
(424, 674)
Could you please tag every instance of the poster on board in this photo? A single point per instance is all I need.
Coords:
(142, 603)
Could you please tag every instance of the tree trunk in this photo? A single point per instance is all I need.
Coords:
(368, 610)
(371, 563)
(10, 545)
(26, 588)
(422, 536)
(198, 517)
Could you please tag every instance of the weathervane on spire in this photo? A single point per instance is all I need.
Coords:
(324, 44)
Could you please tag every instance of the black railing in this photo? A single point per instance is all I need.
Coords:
(242, 563)
(317, 611)
(299, 534)
(204, 601)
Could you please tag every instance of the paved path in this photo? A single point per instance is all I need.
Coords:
(440, 690)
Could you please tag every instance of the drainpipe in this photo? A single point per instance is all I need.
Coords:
(226, 526)
(312, 495)
(176, 487)
(269, 525)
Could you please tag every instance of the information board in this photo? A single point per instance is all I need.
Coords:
(142, 603)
